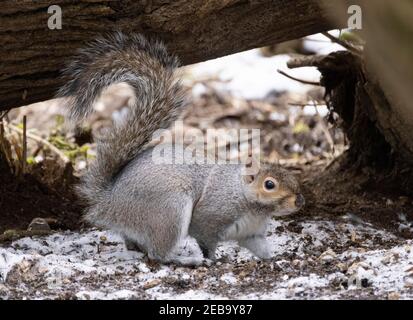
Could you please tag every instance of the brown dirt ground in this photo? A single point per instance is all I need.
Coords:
(333, 191)
(25, 199)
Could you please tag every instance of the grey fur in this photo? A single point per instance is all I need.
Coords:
(149, 70)
(154, 205)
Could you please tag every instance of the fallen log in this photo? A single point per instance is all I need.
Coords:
(32, 55)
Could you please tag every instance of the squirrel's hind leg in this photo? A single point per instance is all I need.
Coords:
(168, 228)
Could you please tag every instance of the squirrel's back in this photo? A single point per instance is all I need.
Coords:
(158, 99)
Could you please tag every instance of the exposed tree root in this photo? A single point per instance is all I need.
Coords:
(355, 97)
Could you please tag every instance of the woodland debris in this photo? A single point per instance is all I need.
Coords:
(39, 224)
(13, 235)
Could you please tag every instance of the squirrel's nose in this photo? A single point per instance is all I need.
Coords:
(299, 200)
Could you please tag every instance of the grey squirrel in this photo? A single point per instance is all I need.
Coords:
(153, 205)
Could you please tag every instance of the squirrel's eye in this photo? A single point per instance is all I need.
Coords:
(269, 184)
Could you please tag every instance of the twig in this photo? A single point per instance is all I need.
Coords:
(5, 148)
(44, 142)
(3, 114)
(24, 155)
(299, 104)
(344, 44)
(313, 83)
(305, 61)
(324, 128)
(332, 162)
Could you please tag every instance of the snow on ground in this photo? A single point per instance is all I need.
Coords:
(249, 75)
(312, 259)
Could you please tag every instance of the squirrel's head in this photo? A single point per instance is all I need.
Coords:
(273, 190)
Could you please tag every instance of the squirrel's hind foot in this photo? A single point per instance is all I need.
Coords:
(179, 261)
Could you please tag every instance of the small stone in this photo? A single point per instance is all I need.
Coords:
(142, 267)
(353, 236)
(356, 265)
(327, 255)
(39, 224)
(393, 296)
(310, 260)
(386, 260)
(42, 269)
(202, 270)
(151, 284)
(390, 258)
(342, 267)
(389, 202)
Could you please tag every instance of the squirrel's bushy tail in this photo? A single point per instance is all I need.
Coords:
(148, 68)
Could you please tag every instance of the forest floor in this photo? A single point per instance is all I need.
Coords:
(315, 258)
(353, 239)
(341, 247)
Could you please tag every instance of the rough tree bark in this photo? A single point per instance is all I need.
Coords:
(387, 27)
(31, 55)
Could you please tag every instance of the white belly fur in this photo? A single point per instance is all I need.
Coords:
(247, 225)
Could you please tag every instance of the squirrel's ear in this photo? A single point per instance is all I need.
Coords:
(250, 170)
(249, 178)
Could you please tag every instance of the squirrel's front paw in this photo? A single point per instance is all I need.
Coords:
(264, 255)
(262, 251)
(258, 246)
